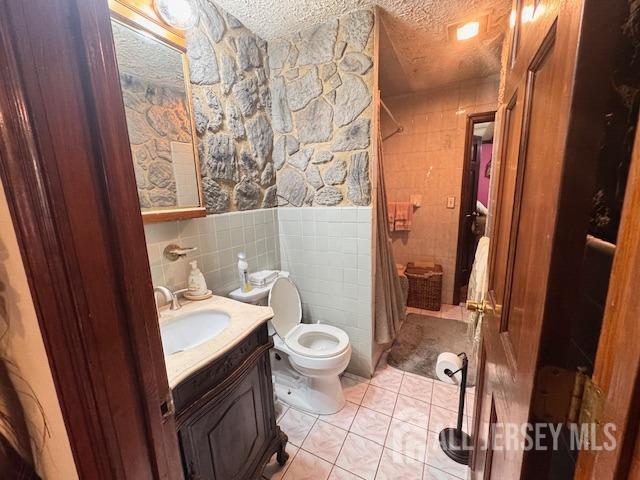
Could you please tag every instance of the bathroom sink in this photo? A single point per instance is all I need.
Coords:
(190, 329)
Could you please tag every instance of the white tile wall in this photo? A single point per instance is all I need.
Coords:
(219, 239)
(328, 253)
(184, 171)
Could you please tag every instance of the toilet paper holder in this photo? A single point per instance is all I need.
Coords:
(455, 443)
(465, 361)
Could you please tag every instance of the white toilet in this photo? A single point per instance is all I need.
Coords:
(308, 358)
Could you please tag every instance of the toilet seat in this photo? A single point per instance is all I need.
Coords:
(309, 340)
(317, 340)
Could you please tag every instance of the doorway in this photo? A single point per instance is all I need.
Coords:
(474, 198)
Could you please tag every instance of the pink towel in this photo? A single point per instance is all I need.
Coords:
(391, 215)
(404, 216)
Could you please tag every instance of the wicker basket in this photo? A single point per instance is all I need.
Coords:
(425, 286)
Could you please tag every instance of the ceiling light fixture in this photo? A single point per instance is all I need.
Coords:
(467, 31)
(180, 14)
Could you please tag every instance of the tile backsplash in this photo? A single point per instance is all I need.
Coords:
(327, 251)
(219, 239)
(328, 254)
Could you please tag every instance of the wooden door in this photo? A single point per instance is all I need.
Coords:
(469, 194)
(469, 212)
(617, 365)
(66, 166)
(553, 103)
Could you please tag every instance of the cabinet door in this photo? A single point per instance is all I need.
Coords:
(227, 439)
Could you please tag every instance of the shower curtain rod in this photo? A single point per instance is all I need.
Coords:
(399, 128)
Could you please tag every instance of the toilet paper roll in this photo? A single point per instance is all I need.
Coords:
(451, 362)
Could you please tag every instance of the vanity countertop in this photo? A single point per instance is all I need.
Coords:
(244, 318)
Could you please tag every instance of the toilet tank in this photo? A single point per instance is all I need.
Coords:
(258, 295)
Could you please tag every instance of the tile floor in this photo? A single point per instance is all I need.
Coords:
(387, 430)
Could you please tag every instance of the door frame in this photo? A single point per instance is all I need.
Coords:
(66, 165)
(617, 365)
(472, 119)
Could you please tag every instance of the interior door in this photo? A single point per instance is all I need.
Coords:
(66, 166)
(468, 237)
(466, 247)
(542, 201)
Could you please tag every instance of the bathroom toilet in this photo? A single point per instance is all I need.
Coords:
(307, 359)
(318, 353)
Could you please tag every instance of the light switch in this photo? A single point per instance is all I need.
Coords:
(451, 202)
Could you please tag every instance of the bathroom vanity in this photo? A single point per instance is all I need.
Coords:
(223, 396)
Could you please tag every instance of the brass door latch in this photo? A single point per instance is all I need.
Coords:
(480, 307)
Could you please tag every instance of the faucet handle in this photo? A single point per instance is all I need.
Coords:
(175, 303)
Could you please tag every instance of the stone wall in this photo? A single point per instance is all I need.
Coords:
(321, 87)
(231, 102)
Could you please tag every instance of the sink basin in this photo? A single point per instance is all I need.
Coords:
(190, 329)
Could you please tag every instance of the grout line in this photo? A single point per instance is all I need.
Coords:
(379, 462)
(440, 470)
(345, 441)
(348, 431)
(348, 471)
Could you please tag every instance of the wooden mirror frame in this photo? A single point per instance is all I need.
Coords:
(142, 16)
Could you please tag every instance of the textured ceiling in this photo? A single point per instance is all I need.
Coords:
(416, 30)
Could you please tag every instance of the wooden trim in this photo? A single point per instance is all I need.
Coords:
(472, 119)
(134, 14)
(617, 367)
(68, 175)
(154, 216)
(142, 14)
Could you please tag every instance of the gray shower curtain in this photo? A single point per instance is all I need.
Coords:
(389, 306)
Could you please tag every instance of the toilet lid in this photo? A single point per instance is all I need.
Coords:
(284, 299)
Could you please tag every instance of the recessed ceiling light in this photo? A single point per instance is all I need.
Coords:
(468, 30)
(180, 14)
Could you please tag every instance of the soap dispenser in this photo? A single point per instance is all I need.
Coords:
(197, 285)
(243, 273)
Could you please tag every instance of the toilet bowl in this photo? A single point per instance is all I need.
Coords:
(318, 353)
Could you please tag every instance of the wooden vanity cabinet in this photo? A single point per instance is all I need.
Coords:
(226, 417)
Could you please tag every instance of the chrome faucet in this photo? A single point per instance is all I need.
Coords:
(169, 296)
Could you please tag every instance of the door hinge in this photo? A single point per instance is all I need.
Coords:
(565, 396)
(167, 407)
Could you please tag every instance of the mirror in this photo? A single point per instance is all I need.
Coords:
(156, 93)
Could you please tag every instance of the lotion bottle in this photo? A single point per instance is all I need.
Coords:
(243, 273)
(196, 283)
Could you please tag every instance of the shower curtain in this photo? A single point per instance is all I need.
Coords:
(389, 309)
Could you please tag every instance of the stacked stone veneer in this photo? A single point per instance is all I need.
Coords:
(321, 89)
(231, 102)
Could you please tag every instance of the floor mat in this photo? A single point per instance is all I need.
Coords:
(422, 338)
